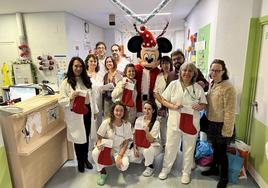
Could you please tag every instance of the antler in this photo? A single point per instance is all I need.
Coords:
(164, 30)
(135, 27)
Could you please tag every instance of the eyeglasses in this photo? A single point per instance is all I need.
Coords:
(216, 71)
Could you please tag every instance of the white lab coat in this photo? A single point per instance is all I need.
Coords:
(159, 88)
(118, 135)
(151, 152)
(75, 123)
(117, 95)
(97, 83)
(174, 93)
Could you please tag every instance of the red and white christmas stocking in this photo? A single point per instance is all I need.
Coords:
(79, 106)
(140, 138)
(186, 124)
(105, 155)
(127, 98)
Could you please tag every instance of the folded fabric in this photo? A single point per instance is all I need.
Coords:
(105, 155)
(79, 106)
(140, 139)
(186, 124)
(205, 160)
(127, 96)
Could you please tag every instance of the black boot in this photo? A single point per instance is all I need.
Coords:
(81, 166)
(213, 171)
(222, 183)
(88, 164)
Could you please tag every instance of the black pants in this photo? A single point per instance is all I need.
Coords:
(81, 150)
(219, 145)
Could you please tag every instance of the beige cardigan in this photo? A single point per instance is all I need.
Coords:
(221, 99)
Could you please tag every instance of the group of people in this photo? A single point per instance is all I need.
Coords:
(172, 118)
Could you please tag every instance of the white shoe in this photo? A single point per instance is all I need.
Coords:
(185, 178)
(162, 176)
(148, 172)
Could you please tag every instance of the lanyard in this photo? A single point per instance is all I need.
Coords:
(193, 97)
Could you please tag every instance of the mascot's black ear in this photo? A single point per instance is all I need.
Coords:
(164, 45)
(134, 44)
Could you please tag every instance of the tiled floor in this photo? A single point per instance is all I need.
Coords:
(69, 177)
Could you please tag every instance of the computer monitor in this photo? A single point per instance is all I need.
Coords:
(22, 92)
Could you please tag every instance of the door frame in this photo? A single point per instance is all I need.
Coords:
(250, 77)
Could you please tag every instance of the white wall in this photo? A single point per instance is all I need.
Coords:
(8, 41)
(96, 34)
(229, 32)
(48, 33)
(232, 37)
(264, 9)
(46, 36)
(203, 14)
(77, 37)
(178, 40)
(109, 39)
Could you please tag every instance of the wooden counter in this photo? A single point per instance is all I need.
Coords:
(33, 159)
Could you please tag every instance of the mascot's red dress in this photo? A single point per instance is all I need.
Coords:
(148, 51)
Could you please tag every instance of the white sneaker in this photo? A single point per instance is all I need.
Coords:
(185, 178)
(162, 176)
(148, 172)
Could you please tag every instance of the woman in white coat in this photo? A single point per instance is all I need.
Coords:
(127, 87)
(159, 87)
(116, 131)
(93, 67)
(184, 99)
(146, 138)
(76, 90)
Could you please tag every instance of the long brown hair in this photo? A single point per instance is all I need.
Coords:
(71, 77)
(112, 117)
(95, 59)
(154, 115)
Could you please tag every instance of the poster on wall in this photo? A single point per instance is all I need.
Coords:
(23, 73)
(61, 62)
(202, 49)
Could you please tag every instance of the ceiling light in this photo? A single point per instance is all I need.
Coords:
(158, 14)
(144, 20)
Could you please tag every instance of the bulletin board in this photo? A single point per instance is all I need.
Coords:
(202, 49)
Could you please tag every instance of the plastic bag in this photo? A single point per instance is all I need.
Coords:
(203, 148)
(235, 166)
(243, 150)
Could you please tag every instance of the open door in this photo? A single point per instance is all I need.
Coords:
(253, 118)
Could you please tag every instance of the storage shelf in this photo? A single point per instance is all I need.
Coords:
(31, 147)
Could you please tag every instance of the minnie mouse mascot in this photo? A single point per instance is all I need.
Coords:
(148, 51)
